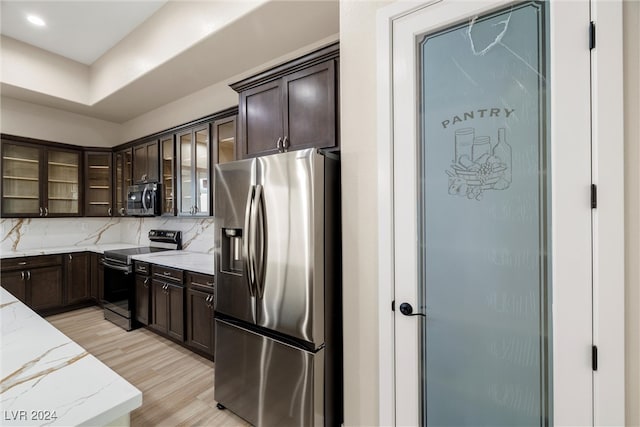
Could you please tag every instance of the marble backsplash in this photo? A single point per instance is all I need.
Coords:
(24, 234)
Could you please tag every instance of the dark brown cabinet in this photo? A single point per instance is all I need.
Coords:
(143, 292)
(192, 171)
(200, 327)
(39, 180)
(14, 282)
(167, 301)
(98, 183)
(45, 287)
(78, 277)
(123, 160)
(167, 174)
(290, 107)
(145, 162)
(97, 277)
(37, 281)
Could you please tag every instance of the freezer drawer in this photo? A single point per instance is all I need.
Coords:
(267, 382)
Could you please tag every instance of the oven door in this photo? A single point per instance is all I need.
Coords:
(119, 293)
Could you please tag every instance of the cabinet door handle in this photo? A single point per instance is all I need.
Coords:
(146, 282)
(22, 263)
(22, 275)
(209, 283)
(279, 145)
(121, 211)
(46, 211)
(110, 212)
(196, 209)
(70, 257)
(41, 211)
(285, 144)
(28, 275)
(166, 273)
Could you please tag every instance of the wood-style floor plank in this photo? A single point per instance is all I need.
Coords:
(176, 384)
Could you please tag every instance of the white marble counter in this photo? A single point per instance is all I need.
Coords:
(185, 260)
(67, 249)
(46, 374)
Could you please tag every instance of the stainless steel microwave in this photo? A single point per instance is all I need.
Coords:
(144, 199)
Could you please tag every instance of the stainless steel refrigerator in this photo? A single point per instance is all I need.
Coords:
(278, 353)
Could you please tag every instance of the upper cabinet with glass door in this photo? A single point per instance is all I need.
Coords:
(98, 183)
(167, 174)
(39, 181)
(63, 183)
(194, 189)
(224, 137)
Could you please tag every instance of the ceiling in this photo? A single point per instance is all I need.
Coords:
(90, 32)
(78, 30)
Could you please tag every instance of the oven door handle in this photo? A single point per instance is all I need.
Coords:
(125, 268)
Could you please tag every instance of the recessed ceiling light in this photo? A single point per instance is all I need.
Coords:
(36, 20)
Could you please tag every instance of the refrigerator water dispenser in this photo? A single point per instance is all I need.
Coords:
(231, 259)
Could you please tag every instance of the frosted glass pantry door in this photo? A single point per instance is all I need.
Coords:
(492, 216)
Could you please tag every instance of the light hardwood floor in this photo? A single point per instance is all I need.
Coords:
(176, 384)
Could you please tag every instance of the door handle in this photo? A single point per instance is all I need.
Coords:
(109, 212)
(407, 310)
(146, 282)
(22, 275)
(279, 145)
(259, 240)
(28, 275)
(46, 211)
(41, 211)
(121, 211)
(285, 144)
(246, 237)
(70, 257)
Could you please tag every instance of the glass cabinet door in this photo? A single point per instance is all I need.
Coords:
(185, 172)
(193, 172)
(166, 175)
(201, 187)
(20, 180)
(225, 140)
(98, 185)
(63, 181)
(123, 163)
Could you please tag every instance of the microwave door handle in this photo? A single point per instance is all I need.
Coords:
(246, 253)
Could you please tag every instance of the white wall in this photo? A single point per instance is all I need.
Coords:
(35, 121)
(359, 210)
(632, 207)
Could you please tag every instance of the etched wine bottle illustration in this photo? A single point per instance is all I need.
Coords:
(477, 167)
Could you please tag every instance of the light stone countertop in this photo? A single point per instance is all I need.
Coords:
(44, 370)
(67, 249)
(191, 261)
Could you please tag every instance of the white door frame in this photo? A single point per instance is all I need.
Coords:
(607, 218)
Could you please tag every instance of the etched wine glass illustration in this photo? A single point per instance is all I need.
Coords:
(477, 167)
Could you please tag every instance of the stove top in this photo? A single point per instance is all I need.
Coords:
(123, 256)
(171, 240)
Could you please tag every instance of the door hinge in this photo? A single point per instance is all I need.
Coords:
(594, 196)
(393, 305)
(594, 358)
(592, 35)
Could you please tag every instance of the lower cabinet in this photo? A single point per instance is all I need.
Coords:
(36, 281)
(97, 278)
(45, 287)
(167, 308)
(143, 298)
(200, 331)
(78, 268)
(13, 281)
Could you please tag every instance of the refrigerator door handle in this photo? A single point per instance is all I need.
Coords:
(246, 238)
(253, 238)
(259, 240)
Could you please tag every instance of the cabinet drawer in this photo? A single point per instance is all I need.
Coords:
(30, 262)
(167, 273)
(142, 268)
(200, 280)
